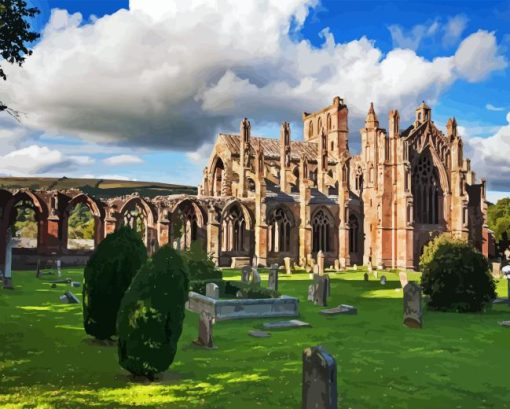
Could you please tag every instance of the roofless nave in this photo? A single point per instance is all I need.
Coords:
(274, 198)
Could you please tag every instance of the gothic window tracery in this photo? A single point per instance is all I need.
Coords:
(328, 122)
(426, 190)
(233, 230)
(134, 217)
(353, 234)
(279, 230)
(358, 179)
(322, 224)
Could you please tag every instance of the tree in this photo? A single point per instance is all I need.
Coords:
(107, 276)
(456, 276)
(15, 33)
(498, 218)
(151, 314)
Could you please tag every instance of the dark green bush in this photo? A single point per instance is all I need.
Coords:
(249, 290)
(456, 276)
(107, 276)
(200, 264)
(152, 313)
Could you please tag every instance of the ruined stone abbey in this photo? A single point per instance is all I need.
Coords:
(270, 199)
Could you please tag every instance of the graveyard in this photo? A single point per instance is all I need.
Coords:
(454, 360)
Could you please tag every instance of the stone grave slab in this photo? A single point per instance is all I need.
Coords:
(344, 309)
(259, 334)
(286, 324)
(505, 324)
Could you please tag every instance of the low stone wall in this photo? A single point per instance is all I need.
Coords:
(243, 308)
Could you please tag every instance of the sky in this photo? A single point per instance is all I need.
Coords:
(140, 89)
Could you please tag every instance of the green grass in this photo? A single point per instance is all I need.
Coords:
(455, 361)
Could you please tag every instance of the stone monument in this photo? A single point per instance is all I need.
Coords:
(319, 389)
(273, 277)
(412, 305)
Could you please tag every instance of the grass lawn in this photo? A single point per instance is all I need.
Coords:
(455, 361)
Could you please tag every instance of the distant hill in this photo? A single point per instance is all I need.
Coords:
(100, 188)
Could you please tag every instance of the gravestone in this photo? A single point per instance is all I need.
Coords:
(75, 284)
(403, 278)
(71, 297)
(8, 261)
(273, 277)
(212, 290)
(59, 266)
(286, 324)
(246, 274)
(320, 261)
(343, 309)
(321, 290)
(496, 269)
(337, 265)
(365, 276)
(412, 305)
(311, 292)
(319, 389)
(383, 280)
(205, 331)
(255, 276)
(63, 299)
(355, 267)
(288, 265)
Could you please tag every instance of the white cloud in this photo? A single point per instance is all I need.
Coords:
(413, 38)
(36, 159)
(490, 156)
(121, 160)
(491, 107)
(172, 73)
(201, 155)
(453, 29)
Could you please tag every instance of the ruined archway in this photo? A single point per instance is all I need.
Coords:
(187, 225)
(83, 223)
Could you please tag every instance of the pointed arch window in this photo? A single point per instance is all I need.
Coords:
(322, 224)
(426, 190)
(279, 230)
(233, 230)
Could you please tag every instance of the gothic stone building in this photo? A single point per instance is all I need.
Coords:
(284, 198)
(270, 199)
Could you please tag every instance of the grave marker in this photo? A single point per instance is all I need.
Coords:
(212, 290)
(383, 280)
(319, 389)
(273, 277)
(412, 305)
(403, 278)
(255, 276)
(365, 276)
(205, 328)
(320, 261)
(246, 274)
(288, 265)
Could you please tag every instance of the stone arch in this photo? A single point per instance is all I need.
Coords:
(193, 222)
(98, 213)
(323, 227)
(281, 224)
(137, 213)
(217, 173)
(236, 228)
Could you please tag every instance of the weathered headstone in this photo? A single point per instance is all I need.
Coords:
(59, 266)
(212, 290)
(311, 292)
(412, 305)
(8, 261)
(365, 276)
(321, 290)
(403, 278)
(319, 389)
(344, 309)
(255, 276)
(286, 324)
(383, 280)
(71, 297)
(288, 265)
(337, 265)
(496, 269)
(273, 277)
(246, 274)
(75, 284)
(205, 331)
(320, 261)
(355, 267)
(63, 299)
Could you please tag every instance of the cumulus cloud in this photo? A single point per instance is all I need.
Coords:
(171, 74)
(490, 156)
(121, 160)
(36, 159)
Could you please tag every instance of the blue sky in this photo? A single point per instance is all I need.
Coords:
(166, 135)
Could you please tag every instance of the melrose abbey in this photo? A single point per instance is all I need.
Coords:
(268, 199)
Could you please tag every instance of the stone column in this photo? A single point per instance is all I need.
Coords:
(213, 235)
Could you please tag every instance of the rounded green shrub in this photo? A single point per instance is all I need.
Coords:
(200, 264)
(151, 314)
(107, 276)
(456, 276)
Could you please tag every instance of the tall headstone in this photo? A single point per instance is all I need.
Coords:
(288, 265)
(321, 289)
(59, 268)
(311, 292)
(8, 261)
(205, 331)
(412, 305)
(319, 389)
(403, 278)
(383, 280)
(246, 274)
(496, 269)
(273, 277)
(320, 261)
(212, 290)
(255, 276)
(337, 265)
(365, 276)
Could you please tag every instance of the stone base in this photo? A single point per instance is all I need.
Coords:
(249, 308)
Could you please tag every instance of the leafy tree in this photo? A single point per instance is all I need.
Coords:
(498, 218)
(81, 222)
(151, 314)
(107, 276)
(456, 276)
(15, 33)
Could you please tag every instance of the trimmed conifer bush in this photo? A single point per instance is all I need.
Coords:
(456, 276)
(151, 314)
(107, 276)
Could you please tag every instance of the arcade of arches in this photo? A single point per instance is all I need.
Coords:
(274, 198)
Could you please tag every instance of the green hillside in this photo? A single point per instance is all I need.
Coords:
(101, 188)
